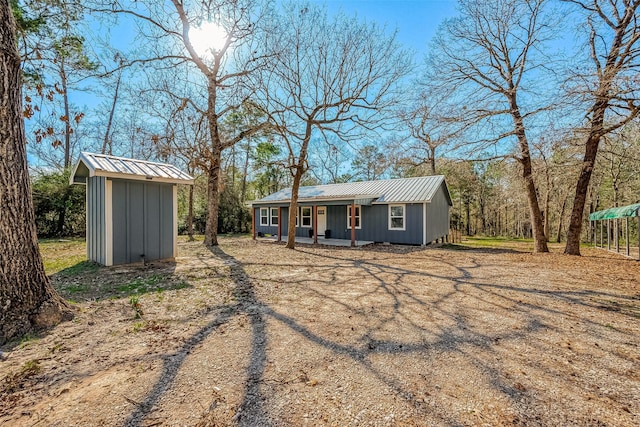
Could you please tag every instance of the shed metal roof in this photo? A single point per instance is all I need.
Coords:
(92, 164)
(619, 212)
(401, 190)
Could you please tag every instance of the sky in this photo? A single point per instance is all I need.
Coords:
(415, 20)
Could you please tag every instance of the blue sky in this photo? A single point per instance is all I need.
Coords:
(416, 20)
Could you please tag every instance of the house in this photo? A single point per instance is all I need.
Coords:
(412, 211)
(132, 208)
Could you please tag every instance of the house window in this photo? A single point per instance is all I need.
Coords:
(305, 213)
(264, 216)
(349, 217)
(274, 216)
(396, 217)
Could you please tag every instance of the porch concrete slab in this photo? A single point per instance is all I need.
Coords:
(321, 241)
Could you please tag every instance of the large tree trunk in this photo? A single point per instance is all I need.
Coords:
(537, 224)
(27, 299)
(215, 161)
(213, 203)
(293, 209)
(591, 151)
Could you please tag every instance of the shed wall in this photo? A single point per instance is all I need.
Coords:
(143, 222)
(96, 226)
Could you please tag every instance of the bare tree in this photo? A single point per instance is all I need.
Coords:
(222, 72)
(429, 129)
(487, 58)
(329, 77)
(27, 298)
(610, 88)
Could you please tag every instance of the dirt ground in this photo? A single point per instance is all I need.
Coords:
(253, 334)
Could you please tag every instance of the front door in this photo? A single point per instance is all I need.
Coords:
(322, 220)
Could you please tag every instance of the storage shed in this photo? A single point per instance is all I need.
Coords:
(132, 208)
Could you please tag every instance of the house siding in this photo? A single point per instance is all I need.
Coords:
(437, 216)
(374, 220)
(143, 221)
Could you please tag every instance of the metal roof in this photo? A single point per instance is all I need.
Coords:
(619, 212)
(401, 190)
(91, 164)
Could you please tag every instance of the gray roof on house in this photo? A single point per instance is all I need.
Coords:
(92, 164)
(402, 190)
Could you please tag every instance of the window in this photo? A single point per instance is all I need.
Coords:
(305, 213)
(274, 216)
(358, 225)
(264, 216)
(396, 217)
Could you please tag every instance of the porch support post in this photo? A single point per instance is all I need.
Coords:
(279, 223)
(617, 228)
(315, 224)
(353, 223)
(608, 234)
(253, 222)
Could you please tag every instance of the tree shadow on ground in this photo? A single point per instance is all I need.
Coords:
(88, 281)
(459, 336)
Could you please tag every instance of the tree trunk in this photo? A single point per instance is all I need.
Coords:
(215, 160)
(537, 225)
(67, 122)
(213, 203)
(562, 209)
(293, 209)
(27, 299)
(107, 139)
(190, 217)
(575, 223)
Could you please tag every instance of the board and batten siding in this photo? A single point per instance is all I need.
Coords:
(96, 219)
(143, 221)
(374, 219)
(437, 216)
(374, 222)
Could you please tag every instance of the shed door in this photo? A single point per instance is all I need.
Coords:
(142, 221)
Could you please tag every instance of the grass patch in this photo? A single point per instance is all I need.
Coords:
(143, 285)
(61, 254)
(81, 267)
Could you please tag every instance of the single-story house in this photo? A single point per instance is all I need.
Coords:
(132, 208)
(412, 211)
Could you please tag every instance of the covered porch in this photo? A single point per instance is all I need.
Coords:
(320, 241)
(620, 223)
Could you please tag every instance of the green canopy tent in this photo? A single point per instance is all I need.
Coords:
(615, 214)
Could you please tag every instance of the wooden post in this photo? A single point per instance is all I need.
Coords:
(638, 238)
(617, 227)
(279, 223)
(601, 234)
(608, 234)
(626, 234)
(353, 224)
(315, 224)
(253, 222)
